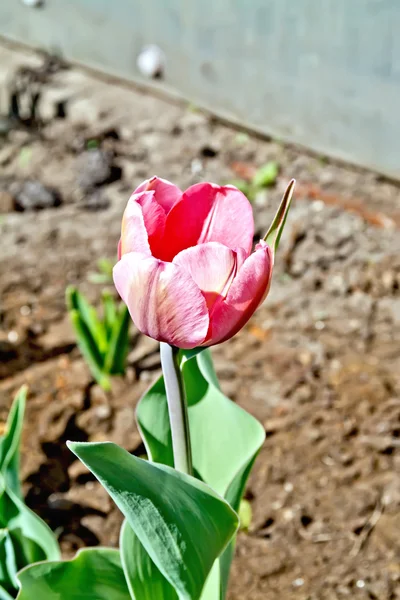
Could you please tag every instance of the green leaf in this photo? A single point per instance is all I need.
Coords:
(182, 523)
(32, 539)
(76, 301)
(144, 579)
(24, 537)
(266, 175)
(245, 514)
(225, 438)
(10, 443)
(94, 574)
(4, 595)
(110, 311)
(89, 350)
(8, 563)
(273, 235)
(115, 360)
(232, 435)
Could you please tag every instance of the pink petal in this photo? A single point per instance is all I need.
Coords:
(212, 266)
(247, 291)
(143, 224)
(166, 193)
(209, 213)
(134, 236)
(163, 300)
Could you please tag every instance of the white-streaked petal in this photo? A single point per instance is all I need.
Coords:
(163, 300)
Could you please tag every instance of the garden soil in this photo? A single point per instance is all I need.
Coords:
(318, 364)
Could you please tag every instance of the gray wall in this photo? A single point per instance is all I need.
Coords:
(323, 73)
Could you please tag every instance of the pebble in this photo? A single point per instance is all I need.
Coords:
(33, 195)
(12, 337)
(94, 168)
(151, 61)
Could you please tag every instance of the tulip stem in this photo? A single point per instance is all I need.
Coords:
(177, 408)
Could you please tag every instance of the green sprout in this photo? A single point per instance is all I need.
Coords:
(102, 338)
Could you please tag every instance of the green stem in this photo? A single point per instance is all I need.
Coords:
(177, 408)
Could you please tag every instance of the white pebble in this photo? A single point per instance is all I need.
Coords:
(360, 583)
(196, 166)
(318, 205)
(319, 325)
(151, 61)
(12, 337)
(288, 487)
(33, 3)
(25, 310)
(298, 582)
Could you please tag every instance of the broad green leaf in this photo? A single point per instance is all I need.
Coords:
(94, 574)
(144, 579)
(153, 422)
(10, 443)
(225, 438)
(182, 523)
(274, 233)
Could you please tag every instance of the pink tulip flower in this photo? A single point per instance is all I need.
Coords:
(186, 269)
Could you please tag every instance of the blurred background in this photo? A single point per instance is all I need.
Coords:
(96, 97)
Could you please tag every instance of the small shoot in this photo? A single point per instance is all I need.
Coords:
(266, 175)
(102, 336)
(103, 275)
(273, 235)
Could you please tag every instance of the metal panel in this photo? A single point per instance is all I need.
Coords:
(322, 73)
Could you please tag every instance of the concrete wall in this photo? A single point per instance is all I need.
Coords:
(322, 73)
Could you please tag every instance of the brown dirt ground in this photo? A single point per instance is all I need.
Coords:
(318, 364)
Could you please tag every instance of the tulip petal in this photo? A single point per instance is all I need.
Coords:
(143, 225)
(209, 213)
(247, 291)
(163, 300)
(212, 266)
(166, 193)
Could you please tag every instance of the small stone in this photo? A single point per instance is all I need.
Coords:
(33, 195)
(33, 3)
(298, 582)
(151, 62)
(103, 412)
(94, 168)
(360, 583)
(196, 166)
(12, 337)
